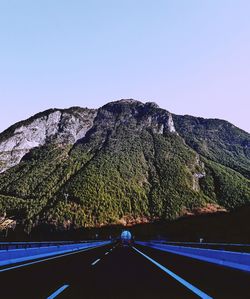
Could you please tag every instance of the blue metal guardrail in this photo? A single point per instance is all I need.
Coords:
(12, 256)
(236, 260)
(23, 245)
(238, 247)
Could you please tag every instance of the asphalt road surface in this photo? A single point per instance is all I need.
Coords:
(122, 272)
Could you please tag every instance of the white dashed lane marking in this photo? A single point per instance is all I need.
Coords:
(95, 262)
(59, 291)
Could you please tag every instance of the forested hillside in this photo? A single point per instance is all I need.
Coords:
(125, 163)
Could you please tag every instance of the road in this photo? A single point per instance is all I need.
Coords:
(113, 272)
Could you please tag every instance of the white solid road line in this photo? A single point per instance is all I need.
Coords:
(106, 253)
(47, 259)
(59, 291)
(188, 285)
(95, 262)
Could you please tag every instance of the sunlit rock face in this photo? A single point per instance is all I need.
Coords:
(59, 126)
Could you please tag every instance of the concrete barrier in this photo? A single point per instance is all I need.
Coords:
(236, 260)
(8, 257)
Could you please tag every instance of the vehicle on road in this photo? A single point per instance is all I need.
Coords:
(126, 238)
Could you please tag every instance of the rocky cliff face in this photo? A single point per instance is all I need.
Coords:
(57, 126)
(126, 162)
(135, 115)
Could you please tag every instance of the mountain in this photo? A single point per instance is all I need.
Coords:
(124, 163)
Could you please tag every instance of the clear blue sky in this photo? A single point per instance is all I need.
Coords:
(189, 56)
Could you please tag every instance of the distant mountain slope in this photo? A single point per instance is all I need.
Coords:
(217, 140)
(126, 163)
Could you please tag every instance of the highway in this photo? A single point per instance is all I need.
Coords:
(122, 272)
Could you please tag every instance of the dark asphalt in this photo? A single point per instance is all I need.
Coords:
(122, 273)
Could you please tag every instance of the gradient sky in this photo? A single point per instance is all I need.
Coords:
(189, 56)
